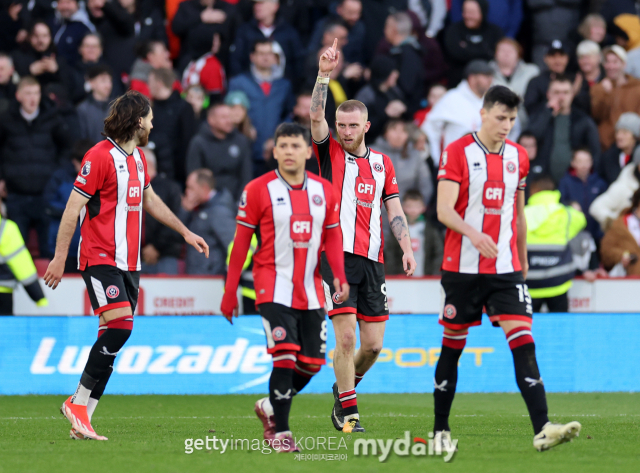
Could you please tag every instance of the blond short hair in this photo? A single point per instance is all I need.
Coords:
(353, 106)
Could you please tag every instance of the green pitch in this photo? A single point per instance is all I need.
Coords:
(147, 434)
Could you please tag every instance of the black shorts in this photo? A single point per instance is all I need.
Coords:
(111, 288)
(368, 293)
(303, 331)
(464, 296)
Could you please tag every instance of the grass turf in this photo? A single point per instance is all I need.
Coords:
(147, 434)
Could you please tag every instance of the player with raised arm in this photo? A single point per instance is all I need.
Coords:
(364, 179)
(109, 194)
(294, 215)
(481, 200)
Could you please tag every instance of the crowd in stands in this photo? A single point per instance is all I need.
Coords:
(222, 74)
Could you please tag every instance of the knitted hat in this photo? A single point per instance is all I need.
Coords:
(629, 121)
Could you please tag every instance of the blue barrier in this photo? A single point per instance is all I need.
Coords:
(206, 355)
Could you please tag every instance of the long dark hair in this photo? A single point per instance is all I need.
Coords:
(124, 117)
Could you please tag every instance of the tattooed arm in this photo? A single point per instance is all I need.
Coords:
(328, 62)
(400, 229)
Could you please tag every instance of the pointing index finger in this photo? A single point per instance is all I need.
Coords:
(335, 44)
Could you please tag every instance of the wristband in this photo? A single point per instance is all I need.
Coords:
(322, 80)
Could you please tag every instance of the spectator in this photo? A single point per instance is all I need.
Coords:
(91, 56)
(55, 196)
(208, 213)
(207, 71)
(511, 71)
(11, 24)
(264, 25)
(617, 93)
(95, 108)
(529, 142)
(581, 185)
(8, 78)
(38, 58)
(117, 28)
(239, 105)
(151, 55)
(552, 20)
(621, 243)
(173, 125)
(427, 240)
(195, 96)
(556, 59)
(383, 98)
(594, 28)
(507, 14)
(349, 13)
(458, 112)
(436, 92)
(471, 39)
(561, 127)
(408, 55)
(161, 246)
(590, 63)
(436, 19)
(550, 227)
(271, 98)
(70, 25)
(219, 147)
(411, 170)
(609, 205)
(621, 152)
(197, 21)
(33, 140)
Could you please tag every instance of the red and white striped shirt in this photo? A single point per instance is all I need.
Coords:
(290, 224)
(487, 201)
(363, 183)
(111, 222)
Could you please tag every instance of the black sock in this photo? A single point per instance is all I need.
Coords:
(302, 374)
(530, 384)
(446, 378)
(280, 394)
(103, 353)
(100, 386)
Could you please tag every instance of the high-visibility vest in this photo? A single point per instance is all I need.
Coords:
(16, 265)
(550, 227)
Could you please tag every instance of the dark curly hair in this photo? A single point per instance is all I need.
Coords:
(124, 117)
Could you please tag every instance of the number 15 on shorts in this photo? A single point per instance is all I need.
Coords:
(523, 296)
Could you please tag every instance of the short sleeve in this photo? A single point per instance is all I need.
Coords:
(450, 165)
(147, 180)
(390, 182)
(325, 150)
(249, 209)
(524, 168)
(92, 174)
(332, 218)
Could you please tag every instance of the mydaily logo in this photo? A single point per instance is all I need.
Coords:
(404, 447)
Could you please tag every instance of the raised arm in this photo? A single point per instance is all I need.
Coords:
(328, 62)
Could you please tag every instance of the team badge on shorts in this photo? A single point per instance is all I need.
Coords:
(449, 311)
(112, 292)
(511, 167)
(378, 167)
(279, 334)
(317, 200)
(140, 166)
(335, 298)
(86, 169)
